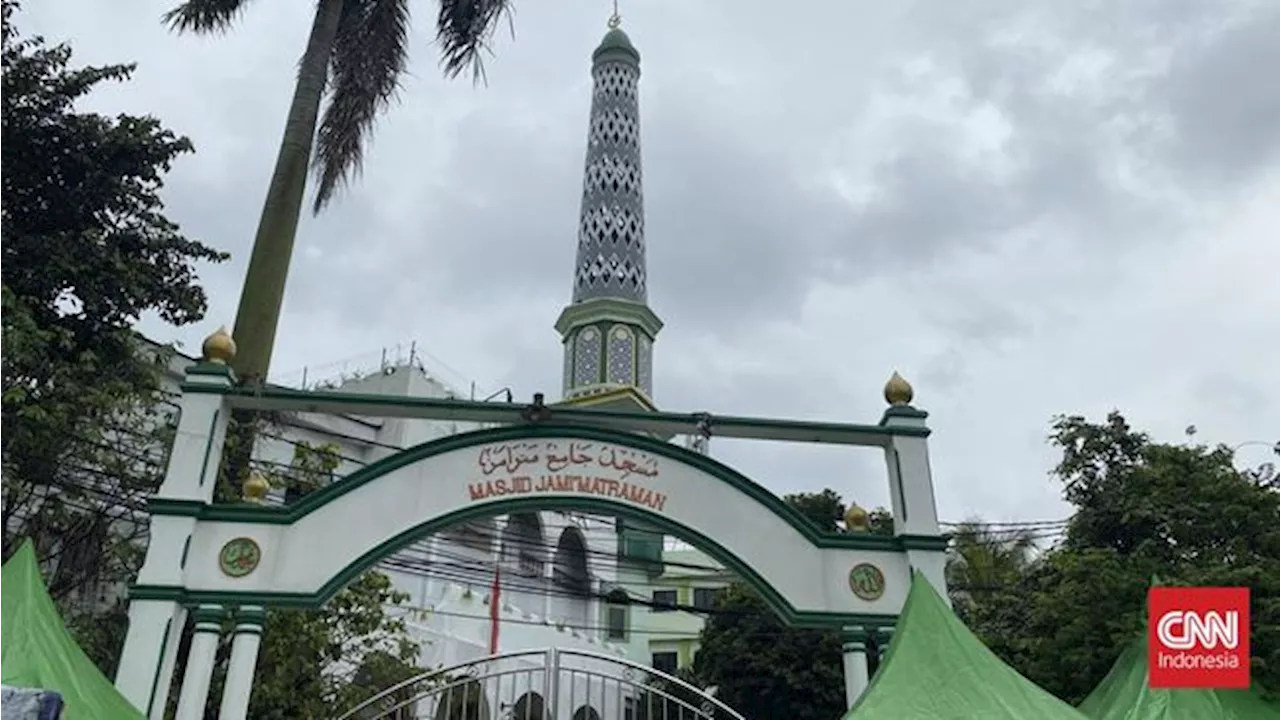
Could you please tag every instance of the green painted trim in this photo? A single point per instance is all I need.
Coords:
(634, 421)
(209, 369)
(186, 548)
(251, 615)
(209, 614)
(157, 592)
(208, 445)
(602, 310)
(211, 628)
(937, 543)
(331, 493)
(507, 506)
(155, 679)
(903, 411)
(566, 382)
(248, 630)
(176, 508)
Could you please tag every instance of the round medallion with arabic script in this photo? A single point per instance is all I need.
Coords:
(239, 557)
(866, 581)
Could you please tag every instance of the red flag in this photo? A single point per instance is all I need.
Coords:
(495, 611)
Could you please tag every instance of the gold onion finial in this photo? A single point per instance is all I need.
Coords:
(255, 488)
(898, 391)
(856, 519)
(219, 348)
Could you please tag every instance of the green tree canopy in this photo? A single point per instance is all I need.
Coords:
(1143, 509)
(87, 251)
(318, 663)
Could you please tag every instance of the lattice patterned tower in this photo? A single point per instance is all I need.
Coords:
(608, 328)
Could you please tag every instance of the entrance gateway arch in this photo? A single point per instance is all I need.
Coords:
(212, 561)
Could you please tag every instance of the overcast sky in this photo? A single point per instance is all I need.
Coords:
(1026, 208)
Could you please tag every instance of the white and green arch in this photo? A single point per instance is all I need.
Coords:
(312, 549)
(219, 559)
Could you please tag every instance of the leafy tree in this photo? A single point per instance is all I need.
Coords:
(1143, 509)
(764, 668)
(826, 509)
(356, 51)
(87, 250)
(983, 560)
(311, 659)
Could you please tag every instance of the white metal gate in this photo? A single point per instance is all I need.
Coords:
(549, 684)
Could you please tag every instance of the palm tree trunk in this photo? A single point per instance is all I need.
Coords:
(264, 283)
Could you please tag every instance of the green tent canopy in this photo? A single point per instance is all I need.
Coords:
(38, 652)
(936, 669)
(1123, 695)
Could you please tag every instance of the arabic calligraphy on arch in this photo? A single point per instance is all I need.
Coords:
(558, 455)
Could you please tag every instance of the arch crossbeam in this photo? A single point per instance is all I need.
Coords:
(665, 424)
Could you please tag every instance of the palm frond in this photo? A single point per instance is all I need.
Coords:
(463, 29)
(204, 16)
(369, 54)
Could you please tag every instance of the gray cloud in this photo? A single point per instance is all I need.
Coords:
(1022, 207)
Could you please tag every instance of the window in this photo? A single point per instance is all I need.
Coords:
(705, 598)
(615, 615)
(616, 623)
(665, 662)
(664, 600)
(529, 564)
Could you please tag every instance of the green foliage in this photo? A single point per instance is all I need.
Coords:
(100, 633)
(87, 250)
(983, 561)
(316, 663)
(1143, 509)
(763, 668)
(826, 510)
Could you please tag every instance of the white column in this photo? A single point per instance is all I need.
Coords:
(156, 621)
(168, 661)
(915, 511)
(933, 565)
(855, 665)
(200, 658)
(146, 662)
(244, 661)
(910, 479)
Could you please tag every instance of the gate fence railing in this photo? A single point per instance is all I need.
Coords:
(553, 684)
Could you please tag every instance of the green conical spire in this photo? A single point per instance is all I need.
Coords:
(614, 47)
